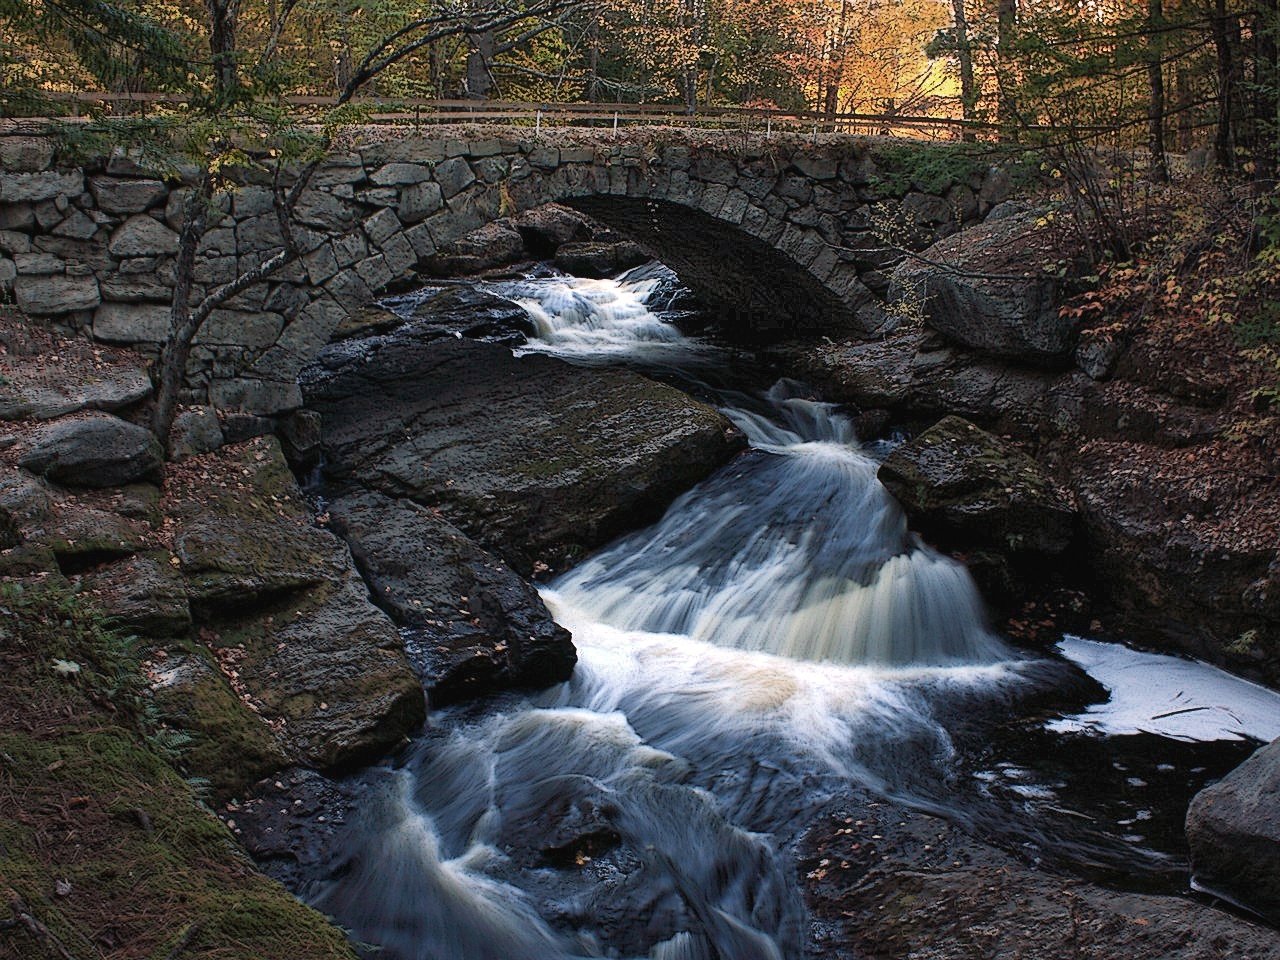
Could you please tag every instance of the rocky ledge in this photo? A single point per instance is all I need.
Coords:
(885, 882)
(536, 459)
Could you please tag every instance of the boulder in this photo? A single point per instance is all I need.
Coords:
(143, 594)
(967, 487)
(986, 288)
(195, 431)
(551, 226)
(480, 627)
(492, 245)
(26, 154)
(873, 873)
(36, 186)
(1188, 560)
(50, 296)
(535, 458)
(95, 450)
(598, 260)
(1233, 829)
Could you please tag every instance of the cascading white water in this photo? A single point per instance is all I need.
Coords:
(796, 550)
(777, 636)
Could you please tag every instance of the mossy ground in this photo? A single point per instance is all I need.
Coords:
(88, 798)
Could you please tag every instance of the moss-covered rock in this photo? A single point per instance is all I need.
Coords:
(964, 486)
(286, 621)
(103, 846)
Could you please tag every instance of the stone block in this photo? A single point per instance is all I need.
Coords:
(544, 158)
(350, 248)
(419, 201)
(491, 169)
(816, 166)
(399, 254)
(17, 216)
(349, 289)
(54, 295)
(38, 264)
(78, 225)
(321, 264)
(131, 323)
(454, 176)
(11, 242)
(195, 431)
(251, 201)
(400, 174)
(262, 397)
(142, 236)
(380, 226)
(419, 238)
(126, 196)
(26, 154)
(235, 328)
(34, 187)
(135, 288)
(374, 272)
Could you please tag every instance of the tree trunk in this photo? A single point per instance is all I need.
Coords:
(968, 88)
(1226, 92)
(177, 348)
(1266, 104)
(480, 66)
(1155, 78)
(1186, 120)
(1006, 24)
(223, 15)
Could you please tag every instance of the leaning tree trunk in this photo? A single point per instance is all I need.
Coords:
(480, 66)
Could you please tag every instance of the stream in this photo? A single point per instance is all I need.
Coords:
(778, 638)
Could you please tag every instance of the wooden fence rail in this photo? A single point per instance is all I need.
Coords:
(417, 111)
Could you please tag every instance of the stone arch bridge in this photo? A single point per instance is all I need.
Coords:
(772, 232)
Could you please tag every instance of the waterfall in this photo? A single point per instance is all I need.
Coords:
(796, 549)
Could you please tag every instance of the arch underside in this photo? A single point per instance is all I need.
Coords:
(751, 285)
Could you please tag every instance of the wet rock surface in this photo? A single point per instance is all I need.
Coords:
(1233, 828)
(884, 882)
(536, 459)
(475, 626)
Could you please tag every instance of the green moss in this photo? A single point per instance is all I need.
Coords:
(935, 167)
(87, 798)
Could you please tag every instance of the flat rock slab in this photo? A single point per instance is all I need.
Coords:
(536, 459)
(885, 882)
(95, 450)
(478, 626)
(112, 390)
(1233, 827)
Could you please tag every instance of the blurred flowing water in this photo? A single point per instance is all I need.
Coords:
(777, 637)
